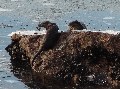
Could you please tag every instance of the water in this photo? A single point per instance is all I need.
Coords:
(25, 15)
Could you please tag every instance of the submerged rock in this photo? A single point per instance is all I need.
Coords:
(75, 56)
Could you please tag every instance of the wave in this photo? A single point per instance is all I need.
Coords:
(16, 0)
(11, 81)
(105, 31)
(28, 32)
(48, 4)
(2, 9)
(108, 18)
(33, 32)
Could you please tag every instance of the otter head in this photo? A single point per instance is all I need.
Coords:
(43, 24)
(75, 25)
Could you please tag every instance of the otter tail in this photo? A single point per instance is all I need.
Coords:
(35, 56)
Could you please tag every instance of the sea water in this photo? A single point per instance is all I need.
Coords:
(22, 15)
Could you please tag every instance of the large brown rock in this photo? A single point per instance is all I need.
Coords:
(77, 54)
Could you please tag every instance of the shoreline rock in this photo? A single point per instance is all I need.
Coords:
(75, 56)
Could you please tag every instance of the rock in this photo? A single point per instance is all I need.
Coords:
(75, 56)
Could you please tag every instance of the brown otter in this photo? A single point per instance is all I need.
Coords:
(75, 25)
(43, 24)
(49, 39)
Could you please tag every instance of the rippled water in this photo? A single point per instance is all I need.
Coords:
(25, 15)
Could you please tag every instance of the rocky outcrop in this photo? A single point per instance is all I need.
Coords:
(79, 57)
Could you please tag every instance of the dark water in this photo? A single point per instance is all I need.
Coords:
(25, 15)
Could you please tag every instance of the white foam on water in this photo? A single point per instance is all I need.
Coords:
(16, 0)
(110, 32)
(28, 32)
(11, 81)
(35, 21)
(48, 4)
(108, 18)
(107, 23)
(1, 9)
(33, 32)
(105, 31)
(2, 58)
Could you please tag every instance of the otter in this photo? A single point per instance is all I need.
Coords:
(44, 24)
(75, 25)
(49, 39)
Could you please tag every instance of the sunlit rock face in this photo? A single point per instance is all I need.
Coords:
(78, 57)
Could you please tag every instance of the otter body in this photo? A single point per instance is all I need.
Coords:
(75, 25)
(49, 39)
